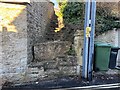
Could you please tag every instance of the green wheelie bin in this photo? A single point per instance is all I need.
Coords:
(102, 56)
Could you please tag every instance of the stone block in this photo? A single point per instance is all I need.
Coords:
(50, 65)
(67, 61)
(34, 73)
(50, 50)
(14, 77)
(22, 26)
(52, 72)
(68, 70)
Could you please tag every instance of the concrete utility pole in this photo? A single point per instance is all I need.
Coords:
(89, 29)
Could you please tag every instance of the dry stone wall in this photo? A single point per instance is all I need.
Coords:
(13, 42)
(39, 15)
(21, 26)
(22, 35)
(50, 50)
(78, 45)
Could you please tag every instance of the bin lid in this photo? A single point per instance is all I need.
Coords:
(115, 47)
(103, 44)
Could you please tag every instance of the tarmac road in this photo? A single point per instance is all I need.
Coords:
(99, 82)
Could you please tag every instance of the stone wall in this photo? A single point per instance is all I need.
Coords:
(39, 15)
(50, 50)
(21, 26)
(47, 58)
(78, 45)
(13, 42)
(23, 30)
(108, 37)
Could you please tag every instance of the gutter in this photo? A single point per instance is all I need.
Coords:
(20, 2)
(15, 1)
(94, 87)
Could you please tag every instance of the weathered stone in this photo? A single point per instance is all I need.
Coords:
(14, 77)
(50, 65)
(34, 73)
(67, 61)
(24, 26)
(39, 15)
(52, 72)
(62, 65)
(46, 64)
(21, 26)
(2, 81)
(50, 50)
(13, 41)
(36, 64)
(78, 45)
(68, 70)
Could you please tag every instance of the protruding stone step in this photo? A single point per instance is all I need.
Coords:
(50, 65)
(67, 60)
(50, 50)
(34, 73)
(68, 70)
(46, 64)
(52, 73)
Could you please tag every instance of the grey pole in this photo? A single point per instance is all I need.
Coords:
(89, 29)
(86, 39)
(92, 33)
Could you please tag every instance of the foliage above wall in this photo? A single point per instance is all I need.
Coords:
(72, 12)
(106, 17)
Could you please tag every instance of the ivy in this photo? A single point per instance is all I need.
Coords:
(73, 13)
